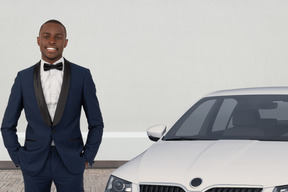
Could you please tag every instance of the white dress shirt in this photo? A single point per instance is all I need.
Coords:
(51, 82)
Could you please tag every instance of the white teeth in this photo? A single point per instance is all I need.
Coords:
(50, 48)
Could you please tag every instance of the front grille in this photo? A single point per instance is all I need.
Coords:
(160, 188)
(235, 190)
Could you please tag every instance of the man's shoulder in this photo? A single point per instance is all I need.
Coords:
(76, 66)
(28, 69)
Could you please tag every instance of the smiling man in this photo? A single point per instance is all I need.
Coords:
(52, 93)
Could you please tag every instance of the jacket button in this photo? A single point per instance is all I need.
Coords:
(53, 130)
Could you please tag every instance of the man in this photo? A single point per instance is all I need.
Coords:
(52, 93)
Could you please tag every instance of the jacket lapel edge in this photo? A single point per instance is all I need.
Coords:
(64, 93)
(40, 96)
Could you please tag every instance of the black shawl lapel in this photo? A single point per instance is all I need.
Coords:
(40, 96)
(64, 93)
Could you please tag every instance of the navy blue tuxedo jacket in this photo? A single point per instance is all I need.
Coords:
(78, 90)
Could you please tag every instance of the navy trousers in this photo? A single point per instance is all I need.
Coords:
(54, 170)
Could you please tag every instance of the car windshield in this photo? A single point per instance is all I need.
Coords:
(254, 117)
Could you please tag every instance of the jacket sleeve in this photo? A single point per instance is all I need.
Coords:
(10, 120)
(94, 118)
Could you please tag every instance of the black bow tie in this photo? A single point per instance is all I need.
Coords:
(58, 66)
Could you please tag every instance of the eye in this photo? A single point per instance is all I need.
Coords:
(46, 37)
(58, 37)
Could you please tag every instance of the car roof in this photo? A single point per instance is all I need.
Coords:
(251, 91)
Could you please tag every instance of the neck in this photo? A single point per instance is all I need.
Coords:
(54, 61)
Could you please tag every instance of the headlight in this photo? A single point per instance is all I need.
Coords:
(116, 184)
(283, 188)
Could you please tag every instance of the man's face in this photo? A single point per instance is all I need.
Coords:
(52, 41)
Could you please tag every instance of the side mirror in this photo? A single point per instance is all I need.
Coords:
(156, 132)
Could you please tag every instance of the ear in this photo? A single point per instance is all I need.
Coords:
(38, 41)
(66, 42)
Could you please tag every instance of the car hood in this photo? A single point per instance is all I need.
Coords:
(217, 163)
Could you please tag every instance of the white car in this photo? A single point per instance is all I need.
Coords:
(229, 141)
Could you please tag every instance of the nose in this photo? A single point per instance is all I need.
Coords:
(51, 40)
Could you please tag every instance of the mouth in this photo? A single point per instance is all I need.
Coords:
(51, 49)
